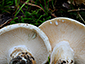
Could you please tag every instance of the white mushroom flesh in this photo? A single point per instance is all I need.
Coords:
(24, 37)
(62, 54)
(20, 55)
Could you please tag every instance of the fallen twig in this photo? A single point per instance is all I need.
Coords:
(74, 10)
(34, 5)
(81, 17)
(53, 15)
(39, 7)
(5, 22)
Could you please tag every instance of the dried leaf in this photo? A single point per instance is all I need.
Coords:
(77, 2)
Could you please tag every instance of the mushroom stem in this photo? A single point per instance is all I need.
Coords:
(20, 55)
(62, 54)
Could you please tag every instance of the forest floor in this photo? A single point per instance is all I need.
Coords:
(38, 11)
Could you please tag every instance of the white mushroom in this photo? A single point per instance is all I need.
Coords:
(62, 54)
(23, 44)
(64, 30)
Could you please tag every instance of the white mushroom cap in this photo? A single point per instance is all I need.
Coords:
(24, 34)
(66, 29)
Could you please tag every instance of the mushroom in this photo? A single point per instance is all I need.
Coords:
(67, 38)
(23, 44)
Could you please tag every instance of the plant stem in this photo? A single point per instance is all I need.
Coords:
(21, 8)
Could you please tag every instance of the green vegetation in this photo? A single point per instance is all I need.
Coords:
(37, 11)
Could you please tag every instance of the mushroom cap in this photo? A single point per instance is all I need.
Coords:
(24, 34)
(66, 29)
